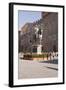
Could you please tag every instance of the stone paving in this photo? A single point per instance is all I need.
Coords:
(37, 69)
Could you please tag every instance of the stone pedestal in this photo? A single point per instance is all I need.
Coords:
(39, 49)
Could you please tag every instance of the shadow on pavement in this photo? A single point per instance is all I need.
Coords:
(52, 68)
(55, 61)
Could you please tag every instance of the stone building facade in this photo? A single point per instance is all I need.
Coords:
(49, 24)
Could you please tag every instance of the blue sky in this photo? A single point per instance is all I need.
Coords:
(27, 17)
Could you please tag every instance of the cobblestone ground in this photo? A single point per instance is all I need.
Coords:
(37, 69)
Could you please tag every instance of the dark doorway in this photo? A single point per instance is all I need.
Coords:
(35, 49)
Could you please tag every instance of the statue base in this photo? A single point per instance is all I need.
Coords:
(39, 49)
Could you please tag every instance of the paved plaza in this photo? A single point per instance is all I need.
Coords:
(37, 69)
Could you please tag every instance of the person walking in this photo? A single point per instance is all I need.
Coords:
(50, 56)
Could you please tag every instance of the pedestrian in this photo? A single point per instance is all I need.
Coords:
(50, 56)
